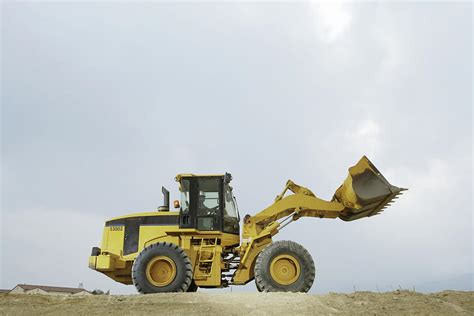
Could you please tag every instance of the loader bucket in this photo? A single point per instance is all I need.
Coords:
(365, 192)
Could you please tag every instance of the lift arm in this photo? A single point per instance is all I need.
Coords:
(364, 193)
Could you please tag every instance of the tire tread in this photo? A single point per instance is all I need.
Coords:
(185, 265)
(263, 277)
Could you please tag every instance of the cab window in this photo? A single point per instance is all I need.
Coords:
(208, 203)
(231, 214)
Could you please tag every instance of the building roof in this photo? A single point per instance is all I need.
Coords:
(72, 290)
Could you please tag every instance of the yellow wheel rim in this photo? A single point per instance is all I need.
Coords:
(285, 269)
(161, 271)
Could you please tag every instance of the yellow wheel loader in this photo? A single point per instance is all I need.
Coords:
(199, 245)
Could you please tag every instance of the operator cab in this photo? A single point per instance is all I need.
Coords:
(207, 203)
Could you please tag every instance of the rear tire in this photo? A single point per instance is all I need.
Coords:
(284, 266)
(162, 267)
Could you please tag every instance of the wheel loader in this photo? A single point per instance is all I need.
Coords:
(199, 244)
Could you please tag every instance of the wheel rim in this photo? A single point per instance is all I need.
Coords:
(285, 269)
(161, 271)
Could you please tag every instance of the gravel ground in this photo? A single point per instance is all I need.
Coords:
(358, 303)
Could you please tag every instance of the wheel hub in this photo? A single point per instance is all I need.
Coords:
(285, 269)
(161, 271)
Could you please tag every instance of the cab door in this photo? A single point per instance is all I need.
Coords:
(207, 194)
(201, 203)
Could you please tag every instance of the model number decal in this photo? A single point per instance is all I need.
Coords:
(116, 228)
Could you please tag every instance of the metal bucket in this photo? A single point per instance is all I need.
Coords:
(365, 192)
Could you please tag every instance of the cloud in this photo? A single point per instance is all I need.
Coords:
(365, 137)
(332, 19)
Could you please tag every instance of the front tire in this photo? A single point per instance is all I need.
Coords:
(284, 266)
(162, 267)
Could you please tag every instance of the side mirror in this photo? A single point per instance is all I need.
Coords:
(227, 178)
(176, 204)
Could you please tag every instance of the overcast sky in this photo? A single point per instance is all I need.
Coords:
(104, 103)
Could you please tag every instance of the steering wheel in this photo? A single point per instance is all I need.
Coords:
(213, 210)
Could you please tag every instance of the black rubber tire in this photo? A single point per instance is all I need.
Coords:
(193, 287)
(263, 278)
(184, 270)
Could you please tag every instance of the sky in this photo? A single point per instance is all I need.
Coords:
(103, 103)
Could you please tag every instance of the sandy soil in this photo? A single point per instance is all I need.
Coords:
(359, 303)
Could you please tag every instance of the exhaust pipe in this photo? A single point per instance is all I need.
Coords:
(166, 201)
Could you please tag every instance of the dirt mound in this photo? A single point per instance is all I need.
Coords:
(359, 303)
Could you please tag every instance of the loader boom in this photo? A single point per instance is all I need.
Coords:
(301, 203)
(364, 193)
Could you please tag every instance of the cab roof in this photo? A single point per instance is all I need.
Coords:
(192, 175)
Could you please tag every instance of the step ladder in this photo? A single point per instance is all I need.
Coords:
(205, 263)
